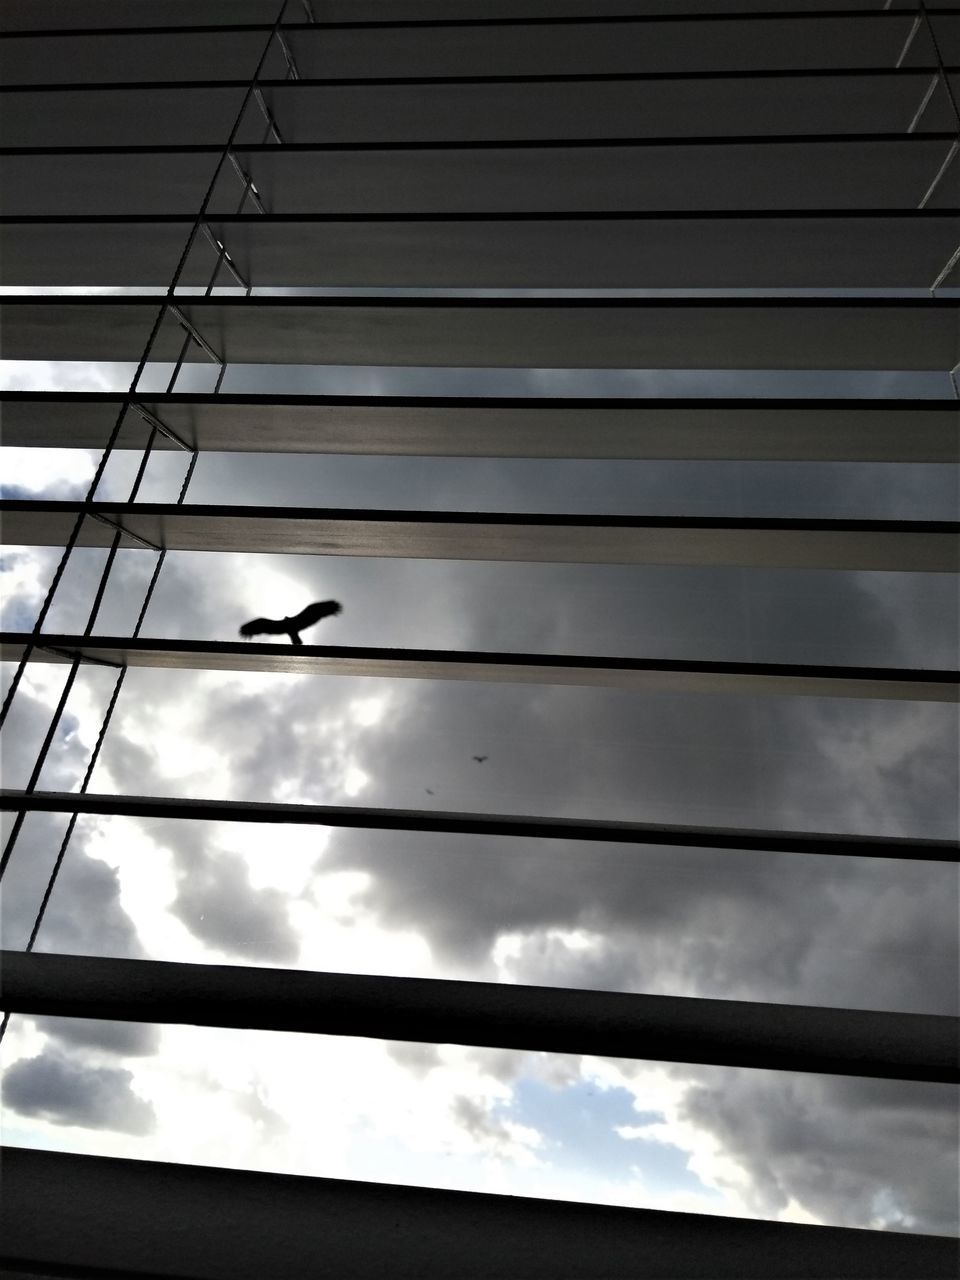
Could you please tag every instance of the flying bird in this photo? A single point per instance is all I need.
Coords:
(292, 626)
(480, 759)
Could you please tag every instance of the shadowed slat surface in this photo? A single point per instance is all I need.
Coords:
(885, 102)
(144, 1218)
(736, 43)
(649, 675)
(500, 427)
(29, 15)
(865, 171)
(898, 1046)
(146, 56)
(867, 39)
(481, 824)
(673, 333)
(905, 545)
(908, 249)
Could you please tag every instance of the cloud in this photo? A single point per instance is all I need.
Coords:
(880, 1153)
(85, 915)
(212, 894)
(492, 1133)
(126, 1039)
(889, 768)
(50, 473)
(584, 485)
(761, 926)
(30, 718)
(24, 574)
(61, 1090)
(217, 903)
(746, 925)
(737, 925)
(421, 1059)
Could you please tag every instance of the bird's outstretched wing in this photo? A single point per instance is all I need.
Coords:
(313, 613)
(292, 626)
(264, 626)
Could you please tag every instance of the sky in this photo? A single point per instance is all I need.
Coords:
(817, 930)
(756, 926)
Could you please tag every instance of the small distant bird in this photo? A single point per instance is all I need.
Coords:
(292, 626)
(480, 759)
(428, 791)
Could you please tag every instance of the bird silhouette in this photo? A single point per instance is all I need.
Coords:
(292, 626)
(480, 759)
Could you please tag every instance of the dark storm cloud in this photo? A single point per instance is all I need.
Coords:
(279, 739)
(61, 1090)
(444, 381)
(785, 938)
(126, 1039)
(887, 767)
(599, 753)
(924, 613)
(84, 915)
(624, 486)
(877, 1151)
(218, 904)
(133, 765)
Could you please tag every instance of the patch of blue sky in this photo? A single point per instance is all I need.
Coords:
(68, 726)
(19, 616)
(578, 1125)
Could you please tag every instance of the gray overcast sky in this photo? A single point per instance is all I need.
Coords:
(816, 930)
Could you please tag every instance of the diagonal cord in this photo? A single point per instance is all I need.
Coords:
(138, 373)
(88, 629)
(95, 610)
(41, 758)
(95, 754)
(248, 191)
(941, 65)
(41, 911)
(942, 70)
(72, 540)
